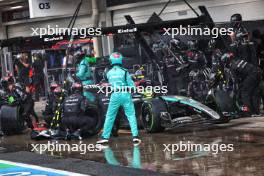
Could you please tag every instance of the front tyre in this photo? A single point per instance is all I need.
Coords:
(151, 111)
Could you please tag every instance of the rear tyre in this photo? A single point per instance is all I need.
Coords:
(151, 111)
(11, 120)
(97, 115)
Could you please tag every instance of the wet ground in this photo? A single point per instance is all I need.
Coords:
(244, 136)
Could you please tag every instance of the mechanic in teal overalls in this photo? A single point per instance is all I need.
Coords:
(119, 79)
(84, 73)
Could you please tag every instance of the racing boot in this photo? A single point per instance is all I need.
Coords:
(136, 141)
(102, 141)
(76, 135)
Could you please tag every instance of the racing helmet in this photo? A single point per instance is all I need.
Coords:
(91, 59)
(227, 58)
(77, 87)
(236, 19)
(192, 44)
(116, 58)
(175, 43)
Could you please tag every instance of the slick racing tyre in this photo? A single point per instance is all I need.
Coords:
(151, 111)
(11, 120)
(97, 115)
(219, 105)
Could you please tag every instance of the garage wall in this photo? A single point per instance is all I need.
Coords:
(220, 10)
(24, 29)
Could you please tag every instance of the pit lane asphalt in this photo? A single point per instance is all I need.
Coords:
(246, 135)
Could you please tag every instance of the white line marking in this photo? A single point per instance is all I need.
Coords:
(41, 168)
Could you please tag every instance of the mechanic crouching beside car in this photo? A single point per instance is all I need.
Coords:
(76, 118)
(17, 93)
(248, 77)
(120, 81)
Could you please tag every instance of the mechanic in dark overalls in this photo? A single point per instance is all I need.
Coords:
(249, 77)
(241, 45)
(215, 55)
(52, 102)
(198, 71)
(17, 92)
(196, 58)
(75, 118)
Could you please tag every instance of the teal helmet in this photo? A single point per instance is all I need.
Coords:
(116, 58)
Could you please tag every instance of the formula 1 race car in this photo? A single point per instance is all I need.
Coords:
(175, 111)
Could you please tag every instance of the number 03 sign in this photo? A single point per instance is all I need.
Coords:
(46, 8)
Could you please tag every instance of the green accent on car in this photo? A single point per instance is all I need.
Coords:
(182, 100)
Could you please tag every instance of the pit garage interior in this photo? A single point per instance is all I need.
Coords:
(133, 28)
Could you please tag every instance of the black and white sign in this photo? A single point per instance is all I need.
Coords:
(46, 8)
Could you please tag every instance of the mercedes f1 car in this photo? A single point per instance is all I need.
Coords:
(175, 111)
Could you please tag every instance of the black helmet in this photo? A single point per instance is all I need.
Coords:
(77, 87)
(236, 18)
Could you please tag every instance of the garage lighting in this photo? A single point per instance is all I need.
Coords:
(16, 7)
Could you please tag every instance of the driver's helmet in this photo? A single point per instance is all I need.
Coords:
(77, 87)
